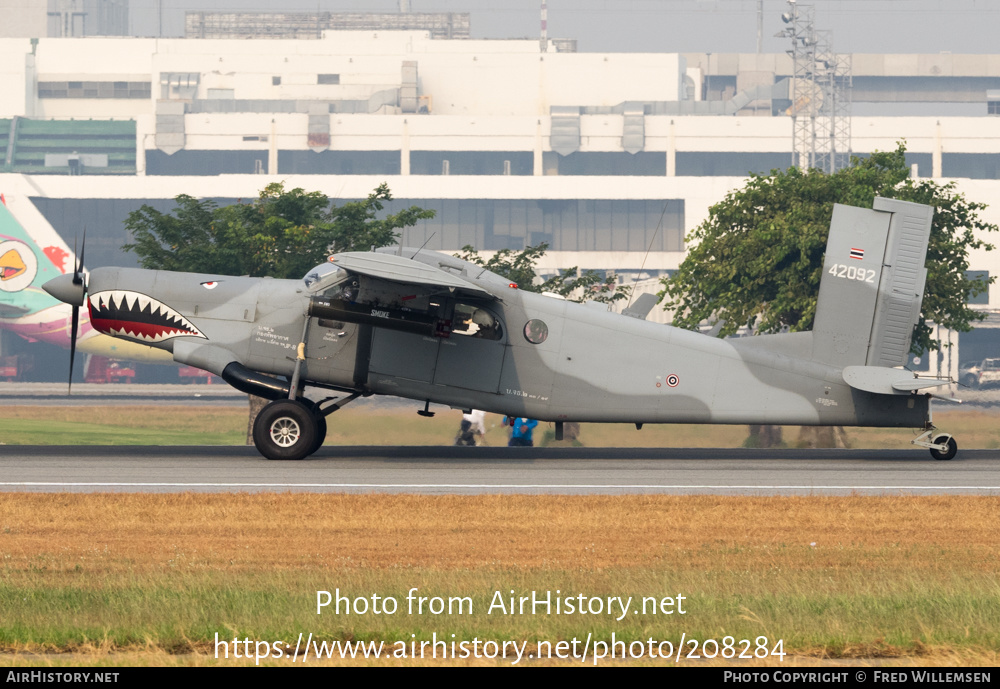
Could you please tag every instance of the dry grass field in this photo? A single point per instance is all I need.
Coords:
(126, 577)
(130, 579)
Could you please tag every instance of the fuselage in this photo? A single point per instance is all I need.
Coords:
(549, 359)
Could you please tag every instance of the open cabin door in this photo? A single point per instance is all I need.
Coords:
(470, 357)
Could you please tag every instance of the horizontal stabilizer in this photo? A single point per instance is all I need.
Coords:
(888, 381)
(12, 311)
(642, 306)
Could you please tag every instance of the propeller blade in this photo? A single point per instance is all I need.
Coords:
(74, 330)
(83, 248)
(76, 263)
(72, 345)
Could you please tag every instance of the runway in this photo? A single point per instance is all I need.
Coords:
(453, 470)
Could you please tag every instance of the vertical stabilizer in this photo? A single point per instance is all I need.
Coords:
(872, 284)
(28, 258)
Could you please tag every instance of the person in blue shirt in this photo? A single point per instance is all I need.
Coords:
(521, 430)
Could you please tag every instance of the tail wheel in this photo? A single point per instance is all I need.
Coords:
(945, 440)
(285, 429)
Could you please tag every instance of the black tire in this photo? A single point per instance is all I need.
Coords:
(285, 429)
(320, 430)
(952, 448)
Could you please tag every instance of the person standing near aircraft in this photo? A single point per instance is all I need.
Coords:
(521, 431)
(473, 425)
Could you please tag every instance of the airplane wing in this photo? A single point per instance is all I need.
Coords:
(400, 269)
(11, 311)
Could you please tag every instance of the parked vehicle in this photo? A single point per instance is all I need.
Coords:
(975, 375)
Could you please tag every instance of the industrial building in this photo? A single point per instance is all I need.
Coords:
(610, 158)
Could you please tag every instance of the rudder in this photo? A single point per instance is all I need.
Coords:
(901, 291)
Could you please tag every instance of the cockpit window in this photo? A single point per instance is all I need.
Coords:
(473, 321)
(323, 275)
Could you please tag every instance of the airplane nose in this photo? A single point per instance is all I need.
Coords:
(65, 289)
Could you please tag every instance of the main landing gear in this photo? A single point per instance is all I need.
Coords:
(943, 446)
(292, 429)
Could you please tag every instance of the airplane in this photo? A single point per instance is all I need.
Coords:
(434, 328)
(31, 257)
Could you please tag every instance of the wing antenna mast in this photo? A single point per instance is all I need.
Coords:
(648, 249)
(423, 245)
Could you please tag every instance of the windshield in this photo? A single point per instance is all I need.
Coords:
(323, 275)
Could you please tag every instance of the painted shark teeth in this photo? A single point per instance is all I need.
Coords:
(124, 313)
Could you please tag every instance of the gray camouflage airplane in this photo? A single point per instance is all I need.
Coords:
(434, 328)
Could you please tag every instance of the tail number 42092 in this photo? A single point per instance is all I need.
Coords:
(839, 270)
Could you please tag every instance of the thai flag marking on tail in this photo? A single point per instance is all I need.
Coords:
(858, 254)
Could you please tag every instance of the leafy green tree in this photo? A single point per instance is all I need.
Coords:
(282, 233)
(520, 267)
(758, 258)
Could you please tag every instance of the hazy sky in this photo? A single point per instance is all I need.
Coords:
(861, 26)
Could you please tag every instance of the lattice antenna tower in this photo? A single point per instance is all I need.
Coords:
(820, 94)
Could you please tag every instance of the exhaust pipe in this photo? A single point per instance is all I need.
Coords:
(254, 383)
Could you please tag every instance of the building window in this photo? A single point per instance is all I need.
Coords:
(275, 81)
(993, 102)
(983, 277)
(94, 89)
(971, 165)
(471, 162)
(327, 78)
(565, 224)
(339, 162)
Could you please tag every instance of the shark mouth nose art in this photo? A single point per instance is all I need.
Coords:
(130, 314)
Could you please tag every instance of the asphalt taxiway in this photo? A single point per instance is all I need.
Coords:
(451, 470)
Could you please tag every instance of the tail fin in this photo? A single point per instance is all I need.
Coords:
(31, 253)
(873, 283)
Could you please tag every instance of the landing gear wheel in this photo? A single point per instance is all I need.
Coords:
(285, 429)
(320, 429)
(952, 447)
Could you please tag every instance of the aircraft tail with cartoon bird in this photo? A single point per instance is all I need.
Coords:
(32, 253)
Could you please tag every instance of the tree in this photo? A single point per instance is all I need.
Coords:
(520, 267)
(281, 234)
(757, 259)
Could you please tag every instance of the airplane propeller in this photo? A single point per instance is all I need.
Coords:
(71, 289)
(80, 283)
